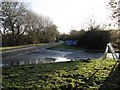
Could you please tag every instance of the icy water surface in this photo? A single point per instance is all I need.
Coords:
(49, 56)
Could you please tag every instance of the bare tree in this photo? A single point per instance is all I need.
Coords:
(13, 12)
(93, 25)
(40, 29)
(23, 26)
(115, 15)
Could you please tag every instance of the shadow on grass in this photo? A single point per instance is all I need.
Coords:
(78, 75)
(112, 82)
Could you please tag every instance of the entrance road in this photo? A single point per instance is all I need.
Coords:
(22, 51)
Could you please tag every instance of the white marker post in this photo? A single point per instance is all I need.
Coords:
(109, 46)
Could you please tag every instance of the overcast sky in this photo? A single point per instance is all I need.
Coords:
(71, 14)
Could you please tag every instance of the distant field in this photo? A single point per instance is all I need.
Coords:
(72, 75)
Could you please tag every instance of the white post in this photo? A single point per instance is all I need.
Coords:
(113, 52)
(106, 51)
(109, 46)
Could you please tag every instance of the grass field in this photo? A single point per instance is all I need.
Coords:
(73, 75)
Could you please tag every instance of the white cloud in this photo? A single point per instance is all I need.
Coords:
(70, 13)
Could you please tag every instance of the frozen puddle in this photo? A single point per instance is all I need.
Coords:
(60, 59)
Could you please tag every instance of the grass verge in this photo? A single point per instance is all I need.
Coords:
(77, 75)
(17, 47)
(64, 47)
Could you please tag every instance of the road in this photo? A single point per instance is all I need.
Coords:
(16, 54)
(21, 51)
(40, 54)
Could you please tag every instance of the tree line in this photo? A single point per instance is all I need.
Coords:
(94, 38)
(22, 26)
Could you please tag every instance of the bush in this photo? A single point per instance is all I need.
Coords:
(91, 39)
